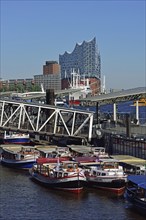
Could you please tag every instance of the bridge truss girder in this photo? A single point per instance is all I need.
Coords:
(22, 116)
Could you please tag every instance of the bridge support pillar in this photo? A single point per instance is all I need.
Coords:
(137, 112)
(114, 112)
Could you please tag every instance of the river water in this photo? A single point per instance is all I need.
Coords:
(22, 199)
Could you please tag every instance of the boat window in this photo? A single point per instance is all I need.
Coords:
(59, 174)
(103, 174)
(98, 174)
(51, 173)
(108, 166)
(94, 173)
(70, 166)
(65, 174)
(76, 166)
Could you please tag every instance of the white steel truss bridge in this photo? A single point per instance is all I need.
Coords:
(45, 119)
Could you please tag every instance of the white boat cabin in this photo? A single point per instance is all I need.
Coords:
(99, 152)
(53, 152)
(57, 169)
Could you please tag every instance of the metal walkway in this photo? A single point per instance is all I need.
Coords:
(115, 97)
(45, 119)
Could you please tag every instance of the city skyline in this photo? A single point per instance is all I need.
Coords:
(33, 32)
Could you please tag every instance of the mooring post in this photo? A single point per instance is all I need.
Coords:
(50, 97)
(128, 125)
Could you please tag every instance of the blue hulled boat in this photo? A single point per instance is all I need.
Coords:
(16, 138)
(136, 192)
(20, 157)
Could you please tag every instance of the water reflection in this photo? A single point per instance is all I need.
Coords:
(22, 199)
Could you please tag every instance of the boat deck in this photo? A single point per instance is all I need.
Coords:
(11, 147)
(129, 159)
(132, 165)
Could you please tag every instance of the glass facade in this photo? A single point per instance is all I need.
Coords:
(84, 59)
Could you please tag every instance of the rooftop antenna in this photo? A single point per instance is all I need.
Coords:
(103, 85)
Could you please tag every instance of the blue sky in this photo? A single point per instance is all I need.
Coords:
(35, 31)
